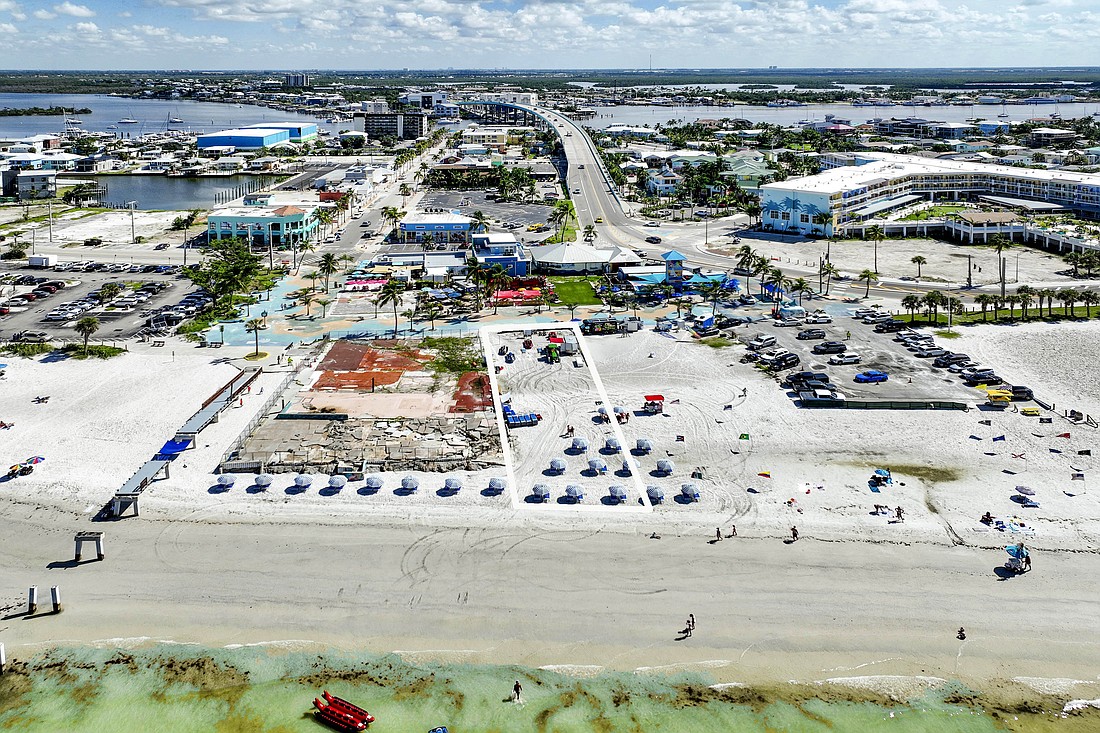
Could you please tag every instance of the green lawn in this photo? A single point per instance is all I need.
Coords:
(1002, 316)
(934, 212)
(575, 289)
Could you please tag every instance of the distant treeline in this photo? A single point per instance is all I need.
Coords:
(42, 111)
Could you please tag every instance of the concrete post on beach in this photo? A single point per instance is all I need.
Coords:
(3, 658)
(32, 600)
(94, 537)
(55, 596)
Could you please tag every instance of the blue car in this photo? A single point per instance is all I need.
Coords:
(871, 375)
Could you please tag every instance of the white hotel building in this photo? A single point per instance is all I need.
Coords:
(855, 187)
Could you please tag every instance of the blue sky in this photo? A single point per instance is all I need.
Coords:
(434, 34)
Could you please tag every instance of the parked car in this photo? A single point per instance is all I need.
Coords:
(949, 358)
(653, 240)
(830, 347)
(162, 245)
(32, 337)
(746, 299)
(878, 318)
(890, 326)
(872, 376)
(786, 361)
(652, 224)
(970, 371)
(818, 318)
(788, 323)
(810, 333)
(924, 353)
(961, 366)
(846, 358)
(1020, 392)
(761, 341)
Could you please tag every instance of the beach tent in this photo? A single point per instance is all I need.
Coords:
(644, 445)
(598, 465)
(617, 493)
(690, 492)
(574, 492)
(612, 444)
(557, 465)
(656, 496)
(264, 479)
(665, 466)
(453, 484)
(541, 492)
(496, 484)
(302, 480)
(580, 444)
(226, 479)
(374, 482)
(337, 482)
(410, 483)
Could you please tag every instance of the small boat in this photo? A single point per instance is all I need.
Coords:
(127, 121)
(73, 121)
(112, 127)
(342, 715)
(175, 121)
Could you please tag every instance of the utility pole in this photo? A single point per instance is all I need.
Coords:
(133, 231)
(49, 209)
(969, 272)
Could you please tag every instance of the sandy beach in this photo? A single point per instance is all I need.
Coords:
(479, 579)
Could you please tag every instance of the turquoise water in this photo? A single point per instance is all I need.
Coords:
(173, 688)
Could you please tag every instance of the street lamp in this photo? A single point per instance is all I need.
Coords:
(264, 316)
(133, 232)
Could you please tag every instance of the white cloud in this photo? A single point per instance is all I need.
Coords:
(86, 28)
(44, 15)
(77, 11)
(12, 8)
(8, 29)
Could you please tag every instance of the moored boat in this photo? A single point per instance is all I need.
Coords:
(342, 715)
(342, 704)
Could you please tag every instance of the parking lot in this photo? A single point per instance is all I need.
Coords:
(122, 318)
(909, 377)
(507, 215)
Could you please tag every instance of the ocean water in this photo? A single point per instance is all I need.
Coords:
(188, 688)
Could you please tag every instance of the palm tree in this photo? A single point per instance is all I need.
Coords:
(313, 277)
(876, 233)
(590, 233)
(711, 291)
(1011, 301)
(571, 306)
(328, 266)
(800, 286)
(392, 293)
(558, 218)
(1000, 243)
(1050, 294)
(1089, 298)
(1026, 299)
(746, 256)
(86, 327)
(404, 191)
(304, 247)
(254, 326)
(984, 300)
(933, 300)
(918, 261)
(778, 282)
(1073, 259)
(1069, 297)
(307, 299)
(324, 303)
(867, 275)
(430, 310)
(479, 221)
(829, 270)
(911, 303)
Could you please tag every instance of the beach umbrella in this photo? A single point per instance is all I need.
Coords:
(602, 410)
(374, 482)
(1025, 491)
(656, 496)
(453, 484)
(629, 466)
(3, 366)
(580, 444)
(33, 460)
(881, 472)
(618, 410)
(618, 493)
(264, 479)
(410, 483)
(644, 445)
(612, 444)
(574, 492)
(496, 484)
(302, 480)
(541, 492)
(598, 465)
(665, 466)
(226, 479)
(690, 492)
(337, 482)
(557, 465)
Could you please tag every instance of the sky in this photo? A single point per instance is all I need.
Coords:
(545, 34)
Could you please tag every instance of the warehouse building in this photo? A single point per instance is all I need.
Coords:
(299, 131)
(252, 138)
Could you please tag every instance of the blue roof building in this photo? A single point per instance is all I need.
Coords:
(299, 131)
(252, 138)
(674, 269)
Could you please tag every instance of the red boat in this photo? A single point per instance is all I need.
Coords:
(341, 704)
(336, 715)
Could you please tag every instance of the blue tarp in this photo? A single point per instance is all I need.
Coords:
(174, 447)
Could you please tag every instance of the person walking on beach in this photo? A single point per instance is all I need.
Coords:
(733, 530)
(718, 532)
(691, 621)
(517, 691)
(900, 514)
(794, 534)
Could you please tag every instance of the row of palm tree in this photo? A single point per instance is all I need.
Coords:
(772, 277)
(1024, 298)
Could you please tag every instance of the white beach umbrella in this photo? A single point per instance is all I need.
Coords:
(226, 479)
(303, 480)
(410, 483)
(557, 465)
(541, 492)
(618, 493)
(337, 482)
(644, 445)
(496, 484)
(453, 484)
(598, 465)
(374, 482)
(690, 492)
(574, 492)
(264, 479)
(656, 496)
(665, 466)
(612, 444)
(580, 444)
